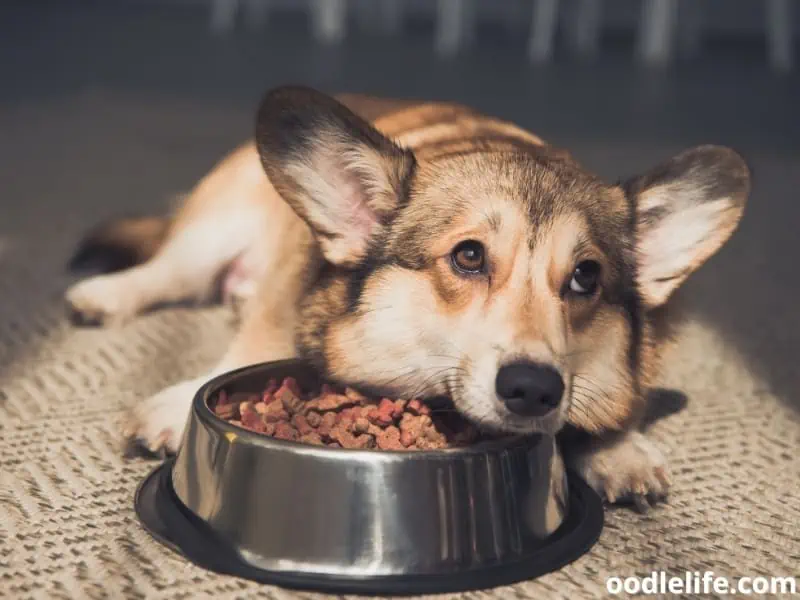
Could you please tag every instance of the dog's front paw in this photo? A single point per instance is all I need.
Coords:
(630, 469)
(99, 300)
(156, 425)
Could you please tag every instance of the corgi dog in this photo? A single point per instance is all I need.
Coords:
(424, 249)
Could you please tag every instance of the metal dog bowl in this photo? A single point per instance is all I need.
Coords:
(363, 521)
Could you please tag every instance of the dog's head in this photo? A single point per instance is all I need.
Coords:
(513, 282)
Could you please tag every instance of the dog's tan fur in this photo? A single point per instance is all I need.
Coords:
(335, 230)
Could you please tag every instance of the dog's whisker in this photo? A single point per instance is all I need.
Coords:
(583, 399)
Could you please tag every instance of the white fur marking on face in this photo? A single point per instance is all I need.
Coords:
(388, 345)
(675, 246)
(566, 233)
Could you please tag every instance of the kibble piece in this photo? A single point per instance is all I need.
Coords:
(226, 411)
(345, 417)
(364, 441)
(389, 439)
(275, 413)
(407, 438)
(284, 431)
(252, 421)
(328, 422)
(301, 424)
(291, 401)
(410, 429)
(381, 418)
(348, 440)
(432, 435)
(399, 408)
(312, 438)
(361, 425)
(313, 419)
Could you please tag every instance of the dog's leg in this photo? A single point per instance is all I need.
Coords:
(266, 333)
(157, 424)
(627, 467)
(219, 222)
(185, 270)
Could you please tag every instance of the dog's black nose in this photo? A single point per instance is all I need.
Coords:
(529, 389)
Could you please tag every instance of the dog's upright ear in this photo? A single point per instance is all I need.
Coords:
(338, 173)
(685, 210)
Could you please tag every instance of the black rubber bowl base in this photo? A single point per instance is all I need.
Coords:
(169, 522)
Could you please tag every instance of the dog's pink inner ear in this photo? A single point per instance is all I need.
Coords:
(333, 168)
(686, 209)
(345, 220)
(345, 189)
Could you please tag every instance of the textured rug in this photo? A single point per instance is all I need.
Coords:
(67, 526)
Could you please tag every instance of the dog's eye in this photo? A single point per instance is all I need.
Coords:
(469, 257)
(584, 278)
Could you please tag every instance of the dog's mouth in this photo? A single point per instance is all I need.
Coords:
(493, 417)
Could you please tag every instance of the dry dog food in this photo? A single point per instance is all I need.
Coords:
(344, 418)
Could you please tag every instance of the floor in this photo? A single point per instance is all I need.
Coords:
(106, 110)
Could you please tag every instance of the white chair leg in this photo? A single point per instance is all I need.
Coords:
(779, 34)
(657, 31)
(257, 13)
(455, 21)
(586, 32)
(223, 16)
(543, 30)
(329, 20)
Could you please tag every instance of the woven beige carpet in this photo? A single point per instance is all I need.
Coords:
(67, 526)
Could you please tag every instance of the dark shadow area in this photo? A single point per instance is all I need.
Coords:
(107, 109)
(662, 403)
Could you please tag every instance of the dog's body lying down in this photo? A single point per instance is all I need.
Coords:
(424, 249)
